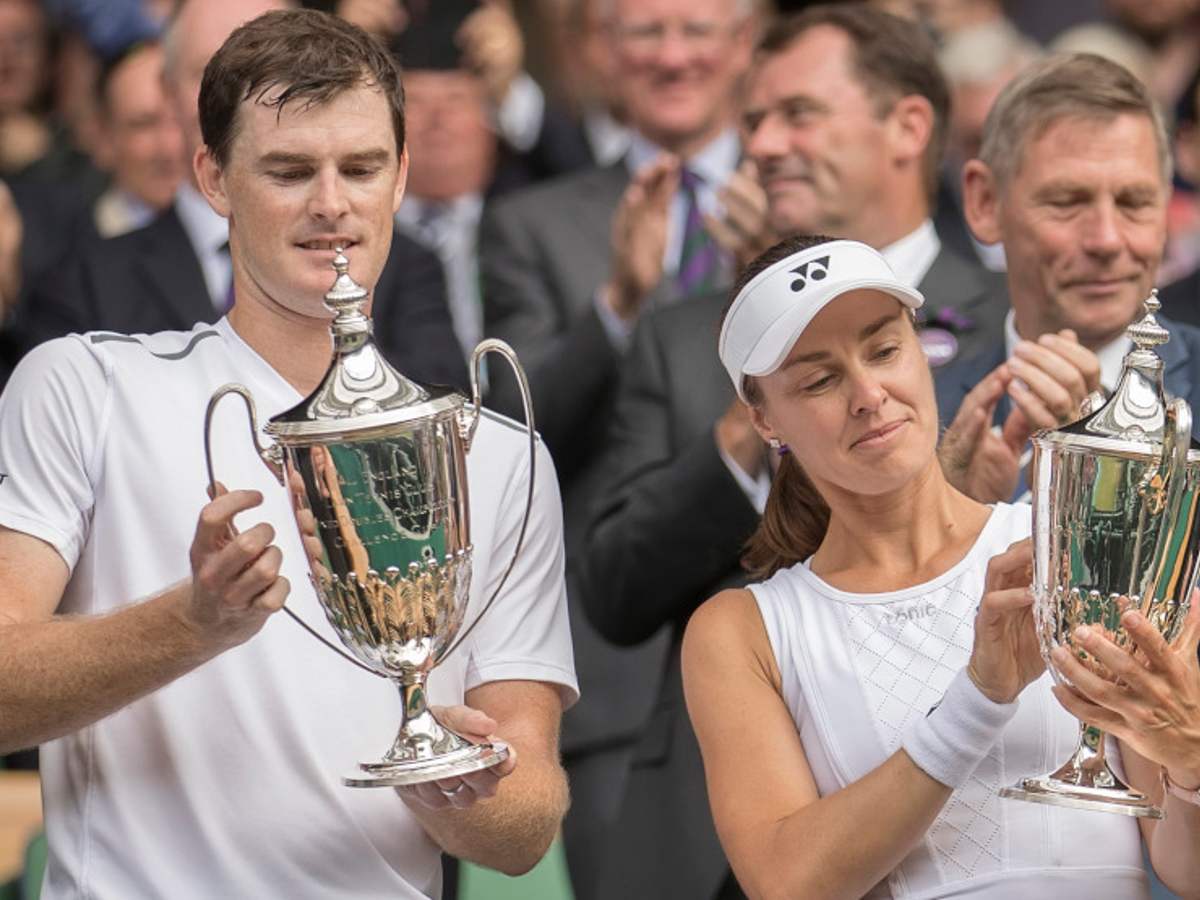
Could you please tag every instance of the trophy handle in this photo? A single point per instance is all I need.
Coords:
(1177, 440)
(271, 456)
(467, 423)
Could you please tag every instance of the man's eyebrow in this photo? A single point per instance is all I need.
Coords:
(281, 157)
(864, 333)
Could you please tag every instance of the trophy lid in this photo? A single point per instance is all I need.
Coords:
(361, 391)
(1135, 414)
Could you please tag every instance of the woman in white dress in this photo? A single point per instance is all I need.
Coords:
(858, 709)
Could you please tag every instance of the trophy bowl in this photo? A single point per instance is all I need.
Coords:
(1114, 528)
(375, 468)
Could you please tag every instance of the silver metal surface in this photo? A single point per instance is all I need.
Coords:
(375, 466)
(1114, 527)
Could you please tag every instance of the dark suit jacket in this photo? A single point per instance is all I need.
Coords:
(1181, 299)
(1181, 372)
(543, 253)
(666, 532)
(150, 280)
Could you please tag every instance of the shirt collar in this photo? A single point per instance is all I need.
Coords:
(912, 255)
(1111, 355)
(206, 229)
(713, 163)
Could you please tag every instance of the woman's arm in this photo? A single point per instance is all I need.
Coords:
(1152, 706)
(782, 838)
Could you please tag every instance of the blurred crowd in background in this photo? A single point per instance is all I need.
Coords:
(579, 170)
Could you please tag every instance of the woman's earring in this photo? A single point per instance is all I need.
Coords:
(776, 445)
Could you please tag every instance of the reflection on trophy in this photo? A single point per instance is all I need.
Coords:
(1114, 527)
(375, 466)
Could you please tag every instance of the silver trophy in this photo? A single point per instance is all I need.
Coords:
(1114, 527)
(375, 466)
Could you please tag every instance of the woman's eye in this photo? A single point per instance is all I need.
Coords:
(887, 352)
(819, 384)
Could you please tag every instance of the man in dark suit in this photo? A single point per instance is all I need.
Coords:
(567, 269)
(684, 474)
(1073, 176)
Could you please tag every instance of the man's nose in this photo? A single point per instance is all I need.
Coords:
(1102, 233)
(328, 199)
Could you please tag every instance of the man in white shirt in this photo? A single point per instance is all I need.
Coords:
(192, 740)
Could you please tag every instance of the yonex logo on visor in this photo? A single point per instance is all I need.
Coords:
(816, 270)
(771, 311)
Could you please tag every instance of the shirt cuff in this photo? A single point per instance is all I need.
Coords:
(519, 116)
(620, 332)
(755, 489)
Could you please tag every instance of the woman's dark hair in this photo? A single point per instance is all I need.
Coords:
(797, 516)
(310, 56)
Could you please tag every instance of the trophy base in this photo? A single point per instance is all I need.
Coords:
(469, 759)
(1116, 799)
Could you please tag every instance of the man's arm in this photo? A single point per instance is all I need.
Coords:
(62, 673)
(670, 519)
(512, 829)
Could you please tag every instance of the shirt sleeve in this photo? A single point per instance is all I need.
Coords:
(53, 415)
(526, 634)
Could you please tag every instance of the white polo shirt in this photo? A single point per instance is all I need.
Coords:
(225, 783)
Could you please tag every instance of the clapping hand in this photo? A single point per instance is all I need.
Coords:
(639, 236)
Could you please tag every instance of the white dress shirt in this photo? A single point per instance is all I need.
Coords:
(209, 234)
(118, 212)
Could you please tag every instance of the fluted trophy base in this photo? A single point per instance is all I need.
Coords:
(471, 758)
(1086, 782)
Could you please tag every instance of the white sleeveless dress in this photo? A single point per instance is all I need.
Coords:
(857, 668)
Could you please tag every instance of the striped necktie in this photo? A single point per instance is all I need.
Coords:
(699, 258)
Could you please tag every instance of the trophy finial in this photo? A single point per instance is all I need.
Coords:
(1146, 333)
(346, 296)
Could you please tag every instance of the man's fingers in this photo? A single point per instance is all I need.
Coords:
(273, 598)
(216, 518)
(727, 237)
(744, 199)
(1016, 431)
(1066, 345)
(472, 724)
(1032, 406)
(1057, 366)
(255, 579)
(1056, 398)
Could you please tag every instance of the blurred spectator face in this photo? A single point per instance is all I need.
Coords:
(197, 33)
(451, 144)
(678, 64)
(816, 136)
(143, 145)
(1083, 221)
(23, 55)
(589, 60)
(1153, 19)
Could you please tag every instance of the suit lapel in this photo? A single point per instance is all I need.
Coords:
(169, 265)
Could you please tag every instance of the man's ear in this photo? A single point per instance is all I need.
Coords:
(981, 202)
(210, 178)
(401, 181)
(911, 128)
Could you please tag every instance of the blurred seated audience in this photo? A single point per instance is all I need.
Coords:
(978, 61)
(1073, 177)
(140, 146)
(844, 122)
(176, 271)
(568, 267)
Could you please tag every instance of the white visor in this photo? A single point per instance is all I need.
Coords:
(771, 312)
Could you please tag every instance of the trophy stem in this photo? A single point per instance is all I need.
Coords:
(424, 750)
(1085, 782)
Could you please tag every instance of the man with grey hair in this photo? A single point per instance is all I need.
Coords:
(1073, 177)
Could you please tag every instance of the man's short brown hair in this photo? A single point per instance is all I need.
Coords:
(892, 58)
(1071, 85)
(309, 56)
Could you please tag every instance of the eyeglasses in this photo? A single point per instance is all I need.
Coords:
(697, 35)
